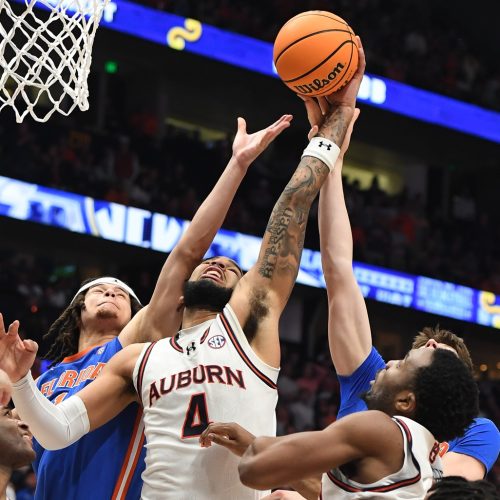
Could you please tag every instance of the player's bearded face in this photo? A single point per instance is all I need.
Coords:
(205, 294)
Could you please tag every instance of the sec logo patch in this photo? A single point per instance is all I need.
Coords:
(216, 342)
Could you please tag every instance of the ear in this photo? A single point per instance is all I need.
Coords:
(180, 304)
(405, 403)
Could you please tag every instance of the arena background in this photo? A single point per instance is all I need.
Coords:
(423, 198)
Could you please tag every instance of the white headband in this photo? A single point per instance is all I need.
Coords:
(108, 280)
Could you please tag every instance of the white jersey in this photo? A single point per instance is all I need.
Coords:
(421, 467)
(207, 373)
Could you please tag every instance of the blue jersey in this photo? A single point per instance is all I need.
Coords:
(480, 441)
(106, 463)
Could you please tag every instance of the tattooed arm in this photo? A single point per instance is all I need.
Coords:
(263, 292)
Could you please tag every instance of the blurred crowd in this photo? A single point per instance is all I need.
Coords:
(173, 175)
(36, 289)
(416, 42)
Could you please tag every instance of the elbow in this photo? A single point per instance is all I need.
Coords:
(337, 270)
(52, 442)
(191, 254)
(250, 476)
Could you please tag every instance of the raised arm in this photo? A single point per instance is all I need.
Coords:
(58, 426)
(270, 281)
(349, 333)
(271, 462)
(162, 317)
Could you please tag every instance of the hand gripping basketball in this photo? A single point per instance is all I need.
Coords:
(347, 95)
(16, 355)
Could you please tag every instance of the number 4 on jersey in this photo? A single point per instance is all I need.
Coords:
(196, 420)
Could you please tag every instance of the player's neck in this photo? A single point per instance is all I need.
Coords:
(89, 338)
(5, 474)
(193, 317)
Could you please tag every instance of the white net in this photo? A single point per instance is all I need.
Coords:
(45, 55)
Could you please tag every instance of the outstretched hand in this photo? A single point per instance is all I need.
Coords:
(247, 147)
(16, 355)
(232, 436)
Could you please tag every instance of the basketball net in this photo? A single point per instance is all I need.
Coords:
(45, 55)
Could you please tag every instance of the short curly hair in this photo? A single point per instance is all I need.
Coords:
(446, 396)
(444, 337)
(458, 488)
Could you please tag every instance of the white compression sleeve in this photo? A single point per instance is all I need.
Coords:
(54, 426)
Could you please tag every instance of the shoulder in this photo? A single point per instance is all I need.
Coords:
(480, 441)
(368, 422)
(482, 429)
(367, 369)
(481, 424)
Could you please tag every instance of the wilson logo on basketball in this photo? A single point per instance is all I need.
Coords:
(318, 84)
(217, 341)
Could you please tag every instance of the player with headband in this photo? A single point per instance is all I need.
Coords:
(108, 463)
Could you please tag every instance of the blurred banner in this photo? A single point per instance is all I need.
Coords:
(155, 231)
(181, 33)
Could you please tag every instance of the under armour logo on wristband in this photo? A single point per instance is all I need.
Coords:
(327, 146)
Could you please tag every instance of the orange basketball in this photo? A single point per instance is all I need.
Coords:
(315, 53)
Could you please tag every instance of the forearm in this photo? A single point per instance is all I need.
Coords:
(310, 488)
(163, 316)
(53, 426)
(349, 332)
(274, 462)
(335, 232)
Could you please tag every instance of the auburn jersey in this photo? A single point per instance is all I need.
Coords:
(206, 373)
(421, 465)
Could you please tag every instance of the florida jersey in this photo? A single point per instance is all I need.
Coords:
(106, 463)
(421, 466)
(206, 373)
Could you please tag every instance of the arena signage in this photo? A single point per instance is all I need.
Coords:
(135, 226)
(181, 33)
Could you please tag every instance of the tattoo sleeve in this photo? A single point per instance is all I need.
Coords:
(284, 237)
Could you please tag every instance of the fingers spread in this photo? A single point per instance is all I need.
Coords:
(242, 125)
(362, 59)
(30, 345)
(220, 439)
(13, 328)
(324, 105)
(312, 132)
(4, 397)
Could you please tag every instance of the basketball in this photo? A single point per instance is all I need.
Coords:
(315, 53)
